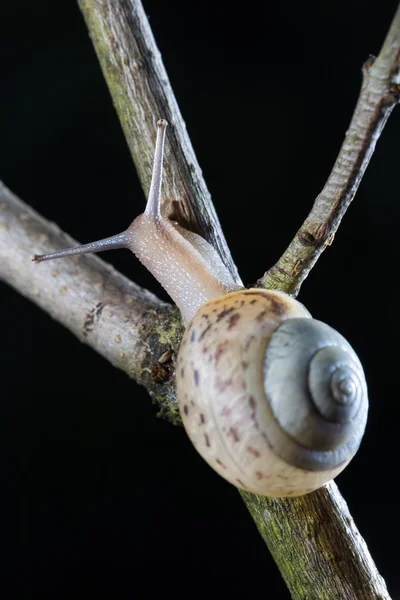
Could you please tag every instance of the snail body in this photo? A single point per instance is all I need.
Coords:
(274, 400)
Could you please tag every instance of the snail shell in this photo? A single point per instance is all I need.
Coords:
(275, 401)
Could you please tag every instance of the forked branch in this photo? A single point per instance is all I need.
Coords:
(141, 93)
(329, 559)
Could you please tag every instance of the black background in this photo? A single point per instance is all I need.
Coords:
(96, 492)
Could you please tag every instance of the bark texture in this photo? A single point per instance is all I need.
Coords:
(126, 324)
(379, 94)
(142, 94)
(316, 534)
(313, 539)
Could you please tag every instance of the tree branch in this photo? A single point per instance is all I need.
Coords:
(137, 333)
(141, 92)
(379, 94)
(317, 546)
(321, 520)
(140, 334)
(126, 324)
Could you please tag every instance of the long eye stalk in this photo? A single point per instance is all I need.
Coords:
(111, 243)
(183, 262)
(122, 240)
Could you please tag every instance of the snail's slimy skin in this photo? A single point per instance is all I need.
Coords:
(221, 393)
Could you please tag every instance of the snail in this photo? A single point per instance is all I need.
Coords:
(274, 400)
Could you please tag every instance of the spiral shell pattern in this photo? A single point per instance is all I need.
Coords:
(275, 401)
(323, 427)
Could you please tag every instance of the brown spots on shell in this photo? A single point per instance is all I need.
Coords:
(202, 419)
(239, 302)
(226, 411)
(233, 433)
(222, 384)
(233, 319)
(207, 440)
(249, 341)
(220, 463)
(196, 376)
(221, 348)
(253, 416)
(204, 332)
(224, 313)
(284, 477)
(261, 315)
(245, 365)
(205, 316)
(182, 372)
(253, 451)
(205, 349)
(259, 475)
(277, 306)
(193, 336)
(186, 409)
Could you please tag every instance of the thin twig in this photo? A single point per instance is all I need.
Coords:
(141, 92)
(379, 94)
(138, 84)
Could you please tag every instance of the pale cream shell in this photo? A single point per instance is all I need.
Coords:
(221, 394)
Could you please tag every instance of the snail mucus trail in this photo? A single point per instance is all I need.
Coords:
(274, 400)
